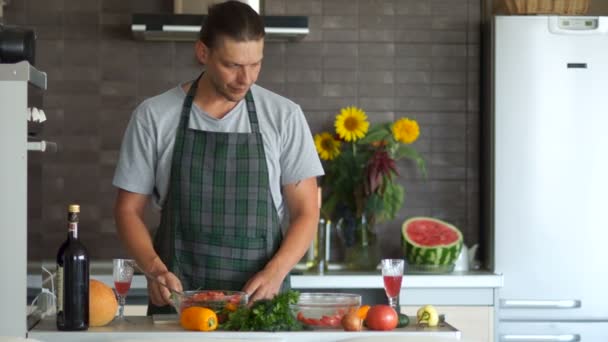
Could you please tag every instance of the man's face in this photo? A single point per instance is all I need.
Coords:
(232, 67)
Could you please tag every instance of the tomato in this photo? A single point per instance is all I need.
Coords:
(307, 321)
(324, 321)
(330, 321)
(312, 321)
(381, 317)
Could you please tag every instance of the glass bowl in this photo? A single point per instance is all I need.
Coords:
(216, 300)
(324, 310)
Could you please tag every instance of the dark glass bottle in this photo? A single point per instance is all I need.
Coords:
(72, 278)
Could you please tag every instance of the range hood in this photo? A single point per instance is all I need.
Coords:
(185, 27)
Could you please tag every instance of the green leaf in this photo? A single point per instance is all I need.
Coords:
(374, 204)
(266, 315)
(406, 151)
(392, 199)
(376, 133)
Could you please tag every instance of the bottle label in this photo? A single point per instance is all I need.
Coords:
(73, 227)
(59, 293)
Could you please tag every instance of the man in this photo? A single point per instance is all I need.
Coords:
(225, 160)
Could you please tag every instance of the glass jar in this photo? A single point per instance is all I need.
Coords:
(361, 252)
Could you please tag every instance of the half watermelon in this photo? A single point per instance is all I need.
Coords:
(429, 241)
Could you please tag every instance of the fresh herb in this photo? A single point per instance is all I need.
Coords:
(266, 315)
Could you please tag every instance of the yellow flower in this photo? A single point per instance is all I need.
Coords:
(406, 130)
(327, 147)
(351, 124)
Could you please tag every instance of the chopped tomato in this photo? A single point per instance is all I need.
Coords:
(331, 321)
(231, 307)
(324, 321)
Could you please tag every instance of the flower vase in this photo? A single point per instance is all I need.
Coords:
(361, 251)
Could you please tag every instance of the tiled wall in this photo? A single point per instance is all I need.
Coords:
(393, 58)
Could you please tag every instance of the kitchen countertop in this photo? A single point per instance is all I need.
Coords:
(373, 280)
(143, 328)
(335, 279)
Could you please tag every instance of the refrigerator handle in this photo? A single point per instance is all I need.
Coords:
(41, 146)
(541, 338)
(540, 304)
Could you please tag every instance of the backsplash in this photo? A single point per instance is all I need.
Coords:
(391, 58)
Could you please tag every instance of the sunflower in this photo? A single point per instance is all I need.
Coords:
(351, 124)
(327, 147)
(406, 130)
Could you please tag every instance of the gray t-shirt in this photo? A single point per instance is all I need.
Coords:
(144, 165)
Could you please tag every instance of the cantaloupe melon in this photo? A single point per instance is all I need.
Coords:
(102, 304)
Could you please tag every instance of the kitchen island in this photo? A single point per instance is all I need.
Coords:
(144, 329)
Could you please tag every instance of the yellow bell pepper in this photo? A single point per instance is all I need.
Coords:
(427, 315)
(198, 318)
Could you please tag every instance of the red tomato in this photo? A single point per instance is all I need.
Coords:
(312, 321)
(308, 321)
(330, 321)
(381, 317)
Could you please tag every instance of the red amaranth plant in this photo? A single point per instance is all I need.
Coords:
(380, 164)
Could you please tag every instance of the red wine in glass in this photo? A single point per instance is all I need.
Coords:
(122, 287)
(392, 274)
(392, 285)
(122, 273)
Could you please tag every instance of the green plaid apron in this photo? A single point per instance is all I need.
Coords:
(219, 225)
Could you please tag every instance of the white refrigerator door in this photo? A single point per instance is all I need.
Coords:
(551, 168)
(553, 332)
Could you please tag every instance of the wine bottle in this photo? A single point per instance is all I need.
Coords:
(72, 278)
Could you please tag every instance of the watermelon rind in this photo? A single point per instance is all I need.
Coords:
(443, 254)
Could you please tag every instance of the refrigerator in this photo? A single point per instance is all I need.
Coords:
(547, 167)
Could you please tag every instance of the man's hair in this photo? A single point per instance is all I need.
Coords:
(231, 19)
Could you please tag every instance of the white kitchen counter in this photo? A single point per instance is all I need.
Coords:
(143, 328)
(346, 280)
(351, 280)
(472, 288)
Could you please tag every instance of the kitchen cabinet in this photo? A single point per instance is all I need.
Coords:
(475, 323)
(471, 308)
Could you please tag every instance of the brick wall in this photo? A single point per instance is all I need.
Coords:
(393, 58)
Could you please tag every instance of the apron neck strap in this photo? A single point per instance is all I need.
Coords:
(186, 108)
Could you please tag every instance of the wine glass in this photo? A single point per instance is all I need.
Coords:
(392, 272)
(122, 273)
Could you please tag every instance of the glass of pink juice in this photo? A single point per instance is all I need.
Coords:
(122, 272)
(392, 273)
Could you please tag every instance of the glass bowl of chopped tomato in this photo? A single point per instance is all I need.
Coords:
(324, 310)
(220, 301)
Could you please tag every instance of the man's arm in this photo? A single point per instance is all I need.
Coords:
(303, 206)
(129, 213)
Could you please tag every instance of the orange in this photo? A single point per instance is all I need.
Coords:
(362, 311)
(198, 318)
(102, 303)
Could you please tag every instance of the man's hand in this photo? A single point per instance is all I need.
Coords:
(301, 198)
(263, 285)
(160, 295)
